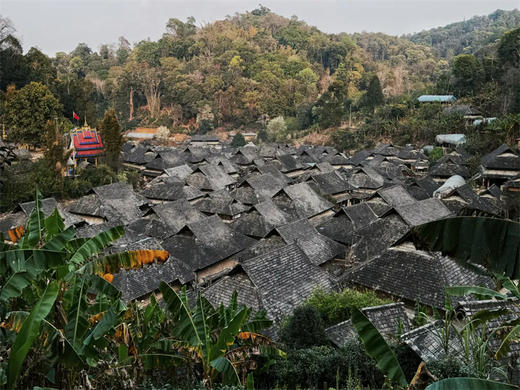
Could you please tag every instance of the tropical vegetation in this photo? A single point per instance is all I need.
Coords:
(63, 323)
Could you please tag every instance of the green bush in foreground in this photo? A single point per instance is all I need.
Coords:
(335, 307)
(304, 328)
(313, 367)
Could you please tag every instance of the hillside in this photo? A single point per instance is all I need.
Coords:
(261, 71)
(224, 73)
(470, 35)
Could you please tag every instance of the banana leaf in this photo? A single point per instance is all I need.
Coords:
(177, 304)
(29, 332)
(227, 370)
(94, 245)
(53, 225)
(228, 335)
(460, 291)
(378, 349)
(30, 263)
(493, 243)
(108, 323)
(469, 384)
(505, 345)
(35, 224)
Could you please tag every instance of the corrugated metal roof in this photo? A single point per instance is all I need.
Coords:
(477, 122)
(135, 134)
(452, 139)
(437, 98)
(452, 183)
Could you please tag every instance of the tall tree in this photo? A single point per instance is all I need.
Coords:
(112, 138)
(28, 110)
(509, 48)
(55, 152)
(374, 96)
(329, 108)
(468, 74)
(13, 69)
(238, 140)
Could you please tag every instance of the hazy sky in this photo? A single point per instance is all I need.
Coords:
(59, 25)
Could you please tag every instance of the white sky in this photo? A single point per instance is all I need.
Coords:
(59, 25)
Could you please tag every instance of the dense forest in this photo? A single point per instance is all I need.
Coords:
(470, 35)
(224, 74)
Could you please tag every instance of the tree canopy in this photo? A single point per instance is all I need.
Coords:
(27, 111)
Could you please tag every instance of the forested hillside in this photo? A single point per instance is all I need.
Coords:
(224, 73)
(470, 35)
(258, 67)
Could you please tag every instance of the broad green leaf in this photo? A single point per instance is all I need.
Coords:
(378, 349)
(60, 240)
(482, 316)
(228, 334)
(105, 325)
(122, 352)
(101, 286)
(53, 225)
(35, 223)
(257, 324)
(504, 348)
(491, 242)
(250, 383)
(460, 291)
(509, 284)
(94, 245)
(469, 384)
(28, 333)
(226, 368)
(185, 327)
(37, 262)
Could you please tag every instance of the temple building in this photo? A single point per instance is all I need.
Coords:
(86, 145)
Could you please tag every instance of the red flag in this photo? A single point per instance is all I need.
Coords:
(75, 116)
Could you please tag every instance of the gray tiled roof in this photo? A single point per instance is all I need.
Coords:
(375, 238)
(414, 275)
(423, 211)
(222, 290)
(396, 196)
(177, 214)
(307, 200)
(284, 277)
(428, 341)
(123, 200)
(318, 248)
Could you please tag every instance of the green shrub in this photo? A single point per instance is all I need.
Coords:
(292, 124)
(19, 180)
(313, 367)
(436, 154)
(304, 328)
(336, 307)
(450, 367)
(345, 139)
(238, 140)
(262, 135)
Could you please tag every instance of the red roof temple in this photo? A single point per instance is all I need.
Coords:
(87, 143)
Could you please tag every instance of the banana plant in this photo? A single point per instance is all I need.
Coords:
(491, 242)
(380, 351)
(469, 383)
(216, 336)
(55, 297)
